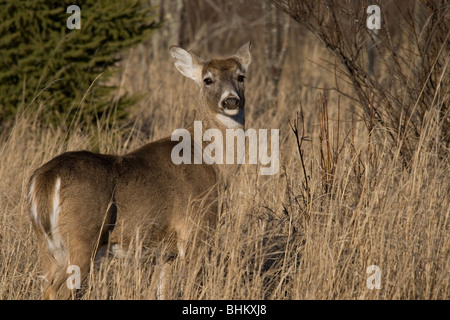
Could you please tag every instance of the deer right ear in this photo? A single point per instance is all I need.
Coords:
(244, 56)
(188, 64)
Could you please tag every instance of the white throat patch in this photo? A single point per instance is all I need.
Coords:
(232, 121)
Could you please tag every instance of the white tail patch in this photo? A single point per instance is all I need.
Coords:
(54, 240)
(56, 206)
(32, 201)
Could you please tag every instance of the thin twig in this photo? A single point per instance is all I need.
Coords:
(294, 127)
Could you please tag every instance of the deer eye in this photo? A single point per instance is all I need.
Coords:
(240, 78)
(207, 81)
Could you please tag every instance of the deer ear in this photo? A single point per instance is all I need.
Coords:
(244, 56)
(188, 64)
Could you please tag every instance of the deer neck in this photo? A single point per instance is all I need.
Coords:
(222, 122)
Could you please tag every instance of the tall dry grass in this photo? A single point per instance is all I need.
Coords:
(287, 236)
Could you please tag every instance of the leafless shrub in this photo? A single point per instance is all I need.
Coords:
(416, 59)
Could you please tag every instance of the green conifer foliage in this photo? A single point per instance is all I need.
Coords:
(42, 60)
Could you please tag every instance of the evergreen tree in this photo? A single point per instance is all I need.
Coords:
(41, 59)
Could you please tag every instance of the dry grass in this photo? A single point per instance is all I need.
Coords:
(276, 239)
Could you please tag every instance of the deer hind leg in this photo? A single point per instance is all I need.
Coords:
(65, 261)
(44, 199)
(54, 273)
(68, 238)
(65, 270)
(84, 235)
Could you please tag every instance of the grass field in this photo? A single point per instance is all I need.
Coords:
(277, 238)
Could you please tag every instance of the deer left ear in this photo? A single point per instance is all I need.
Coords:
(244, 56)
(187, 63)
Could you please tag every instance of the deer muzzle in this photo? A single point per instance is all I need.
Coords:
(231, 103)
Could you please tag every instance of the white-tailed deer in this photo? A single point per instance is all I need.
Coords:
(80, 201)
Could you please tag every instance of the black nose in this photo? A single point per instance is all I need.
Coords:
(230, 103)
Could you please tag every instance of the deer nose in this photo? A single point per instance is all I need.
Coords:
(231, 102)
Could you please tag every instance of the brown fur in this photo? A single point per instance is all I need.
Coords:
(112, 199)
